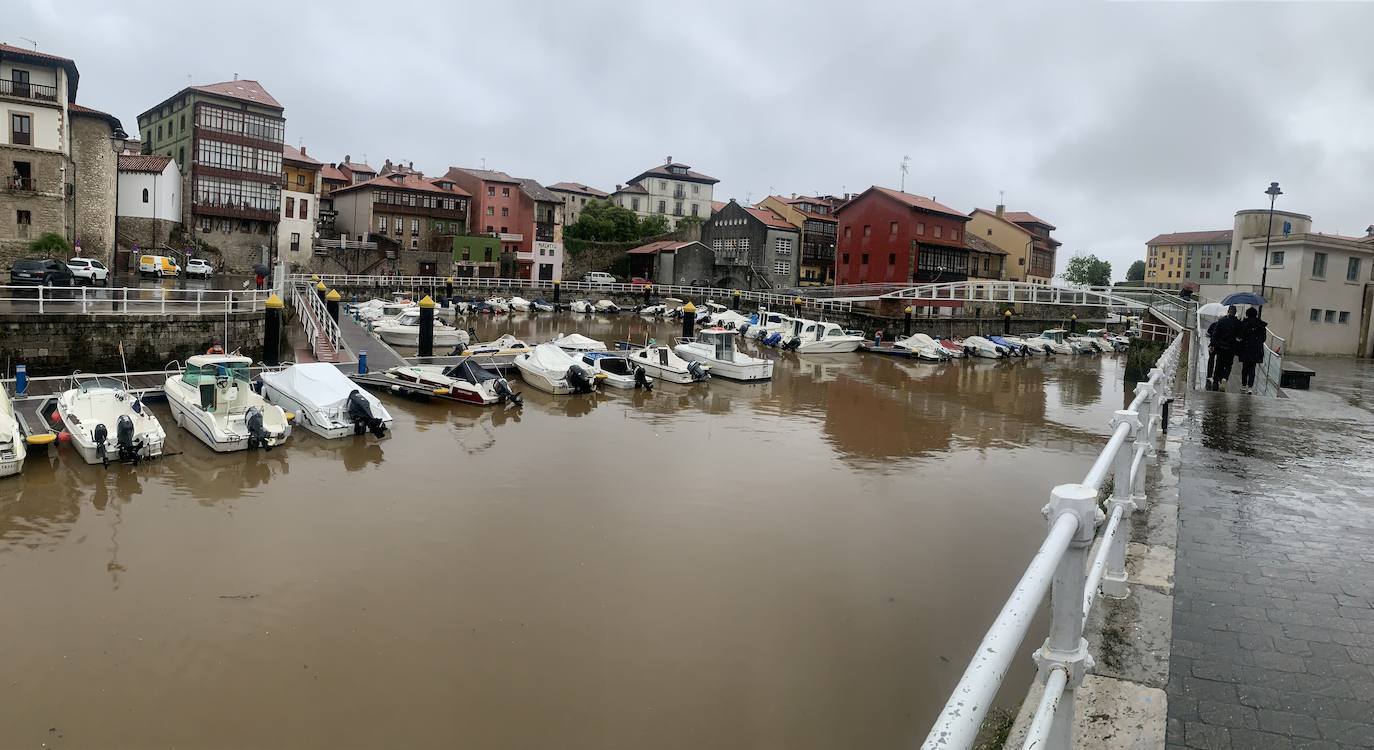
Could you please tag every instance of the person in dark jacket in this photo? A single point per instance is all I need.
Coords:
(1226, 340)
(1253, 332)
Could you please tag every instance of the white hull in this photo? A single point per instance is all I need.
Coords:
(82, 412)
(13, 450)
(744, 372)
(667, 375)
(206, 429)
(320, 424)
(410, 336)
(543, 381)
(840, 345)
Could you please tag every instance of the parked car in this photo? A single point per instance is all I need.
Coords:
(158, 265)
(41, 272)
(640, 281)
(89, 272)
(600, 278)
(199, 267)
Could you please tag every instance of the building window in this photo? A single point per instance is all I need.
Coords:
(300, 179)
(159, 131)
(505, 192)
(414, 226)
(290, 207)
(892, 259)
(414, 244)
(663, 207)
(846, 232)
(491, 210)
(677, 208)
(863, 259)
(145, 195)
(1344, 317)
(695, 207)
(305, 209)
(1021, 261)
(396, 224)
(504, 230)
(491, 191)
(846, 259)
(662, 186)
(954, 234)
(920, 227)
(1319, 268)
(490, 229)
(990, 234)
(717, 244)
(381, 223)
(21, 129)
(1330, 316)
(938, 230)
(634, 204)
(505, 211)
(892, 229)
(696, 190)
(868, 230)
(1352, 272)
(782, 246)
(782, 267)
(295, 242)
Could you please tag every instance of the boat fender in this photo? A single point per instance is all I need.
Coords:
(129, 447)
(215, 349)
(100, 435)
(642, 379)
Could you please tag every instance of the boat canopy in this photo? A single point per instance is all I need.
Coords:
(551, 359)
(579, 342)
(470, 371)
(208, 367)
(319, 386)
(720, 340)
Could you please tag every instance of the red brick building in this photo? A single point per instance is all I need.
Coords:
(890, 236)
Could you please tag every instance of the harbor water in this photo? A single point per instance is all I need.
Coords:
(802, 563)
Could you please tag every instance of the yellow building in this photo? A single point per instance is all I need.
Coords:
(1016, 241)
(1188, 258)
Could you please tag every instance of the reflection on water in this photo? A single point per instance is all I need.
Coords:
(802, 563)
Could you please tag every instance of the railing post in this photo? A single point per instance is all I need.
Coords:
(1114, 579)
(1141, 444)
(40, 299)
(1065, 648)
(83, 300)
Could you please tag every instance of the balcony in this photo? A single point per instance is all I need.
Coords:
(679, 194)
(235, 211)
(732, 259)
(543, 232)
(21, 184)
(31, 91)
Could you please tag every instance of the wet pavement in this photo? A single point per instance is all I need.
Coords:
(1273, 627)
(804, 563)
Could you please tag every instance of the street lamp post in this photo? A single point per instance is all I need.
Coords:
(118, 140)
(1273, 192)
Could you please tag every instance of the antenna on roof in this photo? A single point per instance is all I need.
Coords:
(1001, 197)
(484, 162)
(30, 41)
(236, 76)
(906, 160)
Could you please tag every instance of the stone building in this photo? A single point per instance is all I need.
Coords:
(754, 248)
(57, 158)
(814, 217)
(227, 139)
(149, 199)
(674, 262)
(575, 196)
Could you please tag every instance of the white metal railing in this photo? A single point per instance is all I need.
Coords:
(1269, 372)
(684, 292)
(1072, 570)
(315, 318)
(151, 300)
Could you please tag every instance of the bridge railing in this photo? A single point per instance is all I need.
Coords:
(1067, 567)
(149, 300)
(695, 293)
(315, 319)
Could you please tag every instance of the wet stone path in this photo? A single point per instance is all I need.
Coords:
(1273, 629)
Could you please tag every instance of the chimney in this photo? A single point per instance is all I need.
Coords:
(1001, 210)
(670, 159)
(348, 158)
(1369, 231)
(410, 164)
(387, 165)
(617, 187)
(303, 150)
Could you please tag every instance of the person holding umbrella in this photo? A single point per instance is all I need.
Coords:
(1225, 335)
(1253, 332)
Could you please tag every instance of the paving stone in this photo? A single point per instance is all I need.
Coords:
(1206, 736)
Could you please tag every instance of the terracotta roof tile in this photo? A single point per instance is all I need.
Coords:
(915, 201)
(78, 109)
(978, 244)
(632, 188)
(1214, 237)
(291, 153)
(1026, 217)
(354, 166)
(769, 217)
(153, 163)
(490, 175)
(331, 172)
(579, 188)
(10, 49)
(1003, 219)
(244, 90)
(407, 182)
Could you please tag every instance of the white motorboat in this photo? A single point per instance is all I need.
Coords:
(405, 331)
(539, 305)
(582, 306)
(663, 363)
(923, 347)
(716, 347)
(820, 337)
(1032, 345)
(606, 306)
(764, 323)
(519, 304)
(651, 310)
(106, 422)
(729, 320)
(977, 346)
(213, 399)
(1056, 340)
(12, 448)
(466, 381)
(553, 370)
(499, 353)
(1104, 341)
(499, 305)
(325, 401)
(620, 372)
(1080, 344)
(576, 342)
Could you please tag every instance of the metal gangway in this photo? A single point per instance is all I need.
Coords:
(1073, 563)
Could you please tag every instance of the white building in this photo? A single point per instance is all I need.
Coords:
(149, 206)
(300, 205)
(671, 190)
(1318, 286)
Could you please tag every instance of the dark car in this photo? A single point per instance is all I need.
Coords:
(41, 272)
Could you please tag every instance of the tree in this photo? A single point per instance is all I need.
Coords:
(1088, 270)
(652, 226)
(51, 243)
(1136, 272)
(603, 221)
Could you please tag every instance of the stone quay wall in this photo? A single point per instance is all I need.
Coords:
(59, 344)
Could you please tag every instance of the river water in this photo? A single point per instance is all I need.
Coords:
(804, 563)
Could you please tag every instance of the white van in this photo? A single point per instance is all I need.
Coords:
(158, 265)
(600, 278)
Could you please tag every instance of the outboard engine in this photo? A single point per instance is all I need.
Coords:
(642, 379)
(360, 412)
(130, 448)
(772, 339)
(579, 380)
(697, 371)
(743, 328)
(99, 436)
(257, 434)
(504, 392)
(792, 344)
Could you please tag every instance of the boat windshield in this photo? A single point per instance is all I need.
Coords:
(95, 382)
(723, 343)
(208, 373)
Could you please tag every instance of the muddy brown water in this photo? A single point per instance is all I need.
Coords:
(804, 563)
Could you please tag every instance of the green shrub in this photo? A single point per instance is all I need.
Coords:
(51, 243)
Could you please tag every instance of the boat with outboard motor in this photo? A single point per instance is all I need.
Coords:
(13, 450)
(405, 331)
(1066, 341)
(539, 305)
(1051, 345)
(1106, 342)
(105, 421)
(574, 343)
(606, 306)
(716, 347)
(324, 400)
(519, 304)
(1014, 348)
(620, 372)
(553, 370)
(663, 363)
(977, 346)
(819, 337)
(582, 306)
(495, 354)
(466, 381)
(953, 348)
(923, 347)
(212, 398)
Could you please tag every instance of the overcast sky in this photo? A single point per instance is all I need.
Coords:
(1114, 121)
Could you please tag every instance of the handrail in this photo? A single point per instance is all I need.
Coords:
(152, 300)
(315, 318)
(1062, 565)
